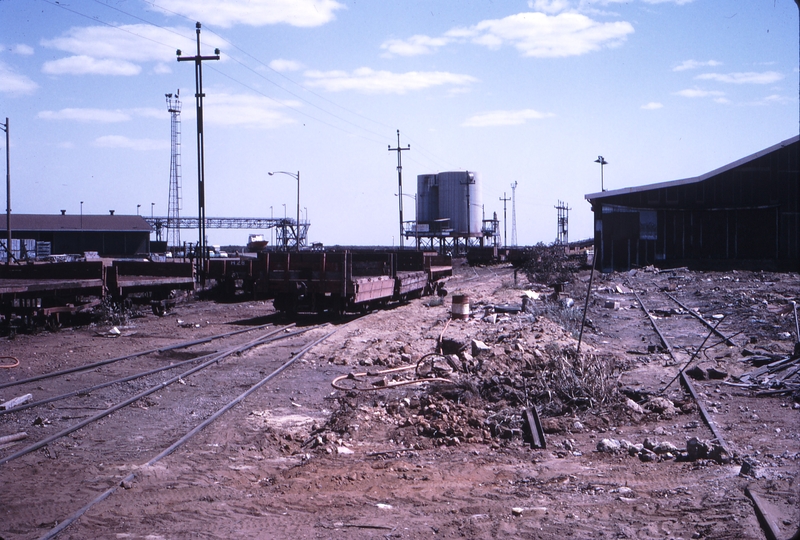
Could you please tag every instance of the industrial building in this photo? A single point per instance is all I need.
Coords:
(743, 215)
(450, 212)
(42, 235)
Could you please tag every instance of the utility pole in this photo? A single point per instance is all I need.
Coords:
(514, 213)
(400, 181)
(174, 200)
(4, 127)
(505, 223)
(201, 196)
(469, 182)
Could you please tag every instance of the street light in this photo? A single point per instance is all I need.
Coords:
(296, 177)
(137, 209)
(152, 205)
(602, 162)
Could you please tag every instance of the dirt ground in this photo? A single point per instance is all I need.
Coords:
(624, 457)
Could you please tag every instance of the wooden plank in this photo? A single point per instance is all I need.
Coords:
(535, 428)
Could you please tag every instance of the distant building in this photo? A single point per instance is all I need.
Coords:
(108, 235)
(743, 215)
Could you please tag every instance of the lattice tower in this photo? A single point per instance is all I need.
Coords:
(174, 206)
(514, 214)
(562, 233)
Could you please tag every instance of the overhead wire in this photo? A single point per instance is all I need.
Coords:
(418, 146)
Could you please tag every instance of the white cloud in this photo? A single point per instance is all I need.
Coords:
(119, 141)
(161, 69)
(698, 93)
(22, 49)
(279, 64)
(653, 105)
(14, 83)
(246, 111)
(227, 13)
(86, 65)
(413, 46)
(532, 34)
(677, 2)
(105, 50)
(150, 112)
(773, 99)
(103, 116)
(549, 6)
(369, 81)
(694, 64)
(766, 77)
(86, 115)
(504, 118)
(544, 36)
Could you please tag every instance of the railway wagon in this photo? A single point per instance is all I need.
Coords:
(329, 281)
(236, 273)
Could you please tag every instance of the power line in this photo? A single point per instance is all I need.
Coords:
(431, 157)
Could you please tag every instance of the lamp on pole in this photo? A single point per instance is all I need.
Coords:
(602, 162)
(137, 209)
(152, 206)
(297, 226)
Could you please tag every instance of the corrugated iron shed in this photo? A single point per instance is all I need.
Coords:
(743, 215)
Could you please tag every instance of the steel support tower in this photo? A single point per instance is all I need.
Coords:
(174, 203)
(562, 234)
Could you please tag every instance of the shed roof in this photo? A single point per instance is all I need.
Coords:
(64, 223)
(706, 176)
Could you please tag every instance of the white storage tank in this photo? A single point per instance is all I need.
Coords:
(454, 196)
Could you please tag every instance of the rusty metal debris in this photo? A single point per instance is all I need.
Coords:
(774, 374)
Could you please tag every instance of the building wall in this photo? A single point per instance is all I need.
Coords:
(105, 243)
(744, 217)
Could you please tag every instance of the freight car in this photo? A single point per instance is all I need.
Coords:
(341, 281)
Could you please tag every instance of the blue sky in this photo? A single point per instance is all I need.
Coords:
(519, 91)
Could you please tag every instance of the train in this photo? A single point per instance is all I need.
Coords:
(332, 281)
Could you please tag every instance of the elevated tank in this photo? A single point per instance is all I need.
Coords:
(455, 196)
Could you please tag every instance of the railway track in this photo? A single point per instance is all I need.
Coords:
(694, 329)
(90, 439)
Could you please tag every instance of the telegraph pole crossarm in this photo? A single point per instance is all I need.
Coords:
(201, 198)
(400, 180)
(505, 227)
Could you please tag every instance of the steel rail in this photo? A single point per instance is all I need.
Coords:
(102, 414)
(700, 318)
(685, 380)
(655, 327)
(93, 365)
(271, 337)
(131, 476)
